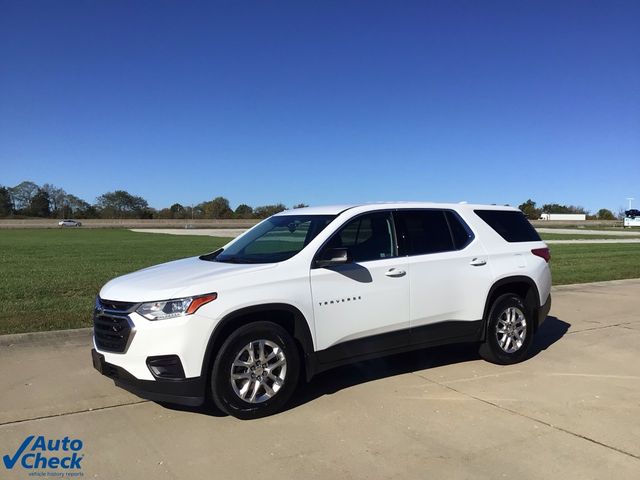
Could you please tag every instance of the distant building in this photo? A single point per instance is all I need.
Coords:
(563, 216)
(632, 218)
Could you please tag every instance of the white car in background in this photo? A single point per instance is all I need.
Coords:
(309, 289)
(69, 223)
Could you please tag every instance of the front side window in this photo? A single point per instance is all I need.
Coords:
(368, 237)
(276, 239)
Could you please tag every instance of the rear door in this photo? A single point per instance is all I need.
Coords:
(449, 274)
(362, 307)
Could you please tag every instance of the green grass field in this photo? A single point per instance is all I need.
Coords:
(49, 278)
(571, 263)
(583, 236)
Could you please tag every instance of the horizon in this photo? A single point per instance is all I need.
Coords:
(351, 204)
(326, 103)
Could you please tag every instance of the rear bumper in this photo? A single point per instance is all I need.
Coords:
(543, 311)
(184, 391)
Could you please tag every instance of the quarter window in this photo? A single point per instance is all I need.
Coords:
(461, 234)
(511, 225)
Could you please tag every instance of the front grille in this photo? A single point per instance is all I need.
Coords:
(111, 328)
(115, 306)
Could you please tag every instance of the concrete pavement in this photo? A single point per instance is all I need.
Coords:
(209, 232)
(571, 411)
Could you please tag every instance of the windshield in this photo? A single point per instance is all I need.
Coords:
(276, 239)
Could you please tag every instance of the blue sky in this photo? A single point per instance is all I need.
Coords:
(324, 102)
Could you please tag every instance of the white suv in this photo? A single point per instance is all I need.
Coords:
(313, 288)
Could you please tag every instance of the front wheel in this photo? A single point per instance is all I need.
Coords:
(509, 331)
(256, 371)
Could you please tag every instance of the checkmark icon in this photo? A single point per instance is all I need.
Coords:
(10, 462)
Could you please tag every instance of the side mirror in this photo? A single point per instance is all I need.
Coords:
(333, 256)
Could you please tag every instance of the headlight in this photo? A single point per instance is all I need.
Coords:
(174, 308)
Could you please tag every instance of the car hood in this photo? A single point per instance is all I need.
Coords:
(190, 276)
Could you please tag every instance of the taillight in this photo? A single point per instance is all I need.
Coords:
(542, 253)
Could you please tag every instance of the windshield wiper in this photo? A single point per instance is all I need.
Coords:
(211, 257)
(235, 259)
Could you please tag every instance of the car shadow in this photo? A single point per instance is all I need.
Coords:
(552, 330)
(208, 409)
(332, 381)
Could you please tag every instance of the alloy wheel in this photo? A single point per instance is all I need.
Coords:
(511, 329)
(258, 371)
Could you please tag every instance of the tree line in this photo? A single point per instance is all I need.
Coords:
(27, 199)
(533, 213)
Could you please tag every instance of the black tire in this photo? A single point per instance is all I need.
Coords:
(491, 350)
(222, 389)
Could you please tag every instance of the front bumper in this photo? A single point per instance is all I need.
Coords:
(184, 391)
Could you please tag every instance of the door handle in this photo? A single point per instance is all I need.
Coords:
(478, 262)
(392, 272)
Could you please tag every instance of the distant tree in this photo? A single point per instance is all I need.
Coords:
(57, 198)
(6, 206)
(122, 204)
(195, 211)
(22, 194)
(243, 211)
(39, 206)
(177, 211)
(300, 205)
(577, 209)
(73, 206)
(164, 213)
(216, 208)
(605, 214)
(554, 208)
(557, 208)
(265, 211)
(529, 209)
(147, 212)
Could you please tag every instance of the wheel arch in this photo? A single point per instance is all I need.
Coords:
(521, 285)
(287, 316)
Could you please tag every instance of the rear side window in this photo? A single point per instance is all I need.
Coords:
(424, 231)
(512, 226)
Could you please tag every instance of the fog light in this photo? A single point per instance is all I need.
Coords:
(166, 366)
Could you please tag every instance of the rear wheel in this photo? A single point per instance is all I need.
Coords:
(509, 331)
(256, 371)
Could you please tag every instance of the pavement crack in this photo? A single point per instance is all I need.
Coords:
(56, 415)
(537, 420)
(600, 327)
